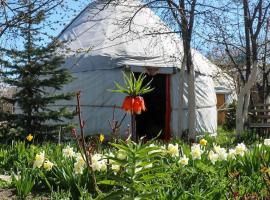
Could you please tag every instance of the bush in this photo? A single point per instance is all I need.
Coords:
(230, 117)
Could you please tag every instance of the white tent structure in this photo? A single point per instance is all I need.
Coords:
(103, 41)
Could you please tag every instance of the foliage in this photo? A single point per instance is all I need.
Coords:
(133, 86)
(24, 182)
(230, 117)
(152, 170)
(35, 72)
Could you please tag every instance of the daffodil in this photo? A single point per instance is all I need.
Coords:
(68, 152)
(203, 142)
(240, 149)
(196, 151)
(29, 137)
(98, 163)
(39, 160)
(266, 142)
(213, 157)
(217, 148)
(101, 137)
(48, 165)
(222, 154)
(232, 153)
(183, 160)
(78, 169)
(173, 150)
(79, 165)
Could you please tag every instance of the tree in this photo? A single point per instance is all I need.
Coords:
(239, 28)
(184, 15)
(36, 73)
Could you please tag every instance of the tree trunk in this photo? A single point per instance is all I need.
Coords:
(191, 103)
(243, 101)
(181, 99)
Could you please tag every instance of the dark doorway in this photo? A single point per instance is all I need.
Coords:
(152, 121)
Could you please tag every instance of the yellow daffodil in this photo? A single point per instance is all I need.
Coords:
(29, 137)
(101, 137)
(203, 142)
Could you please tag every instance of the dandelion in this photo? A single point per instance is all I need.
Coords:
(68, 152)
(203, 142)
(29, 137)
(183, 160)
(196, 151)
(39, 160)
(173, 150)
(48, 165)
(266, 142)
(101, 138)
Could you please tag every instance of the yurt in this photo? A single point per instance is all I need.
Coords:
(104, 40)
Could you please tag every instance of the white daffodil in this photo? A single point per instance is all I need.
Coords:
(173, 150)
(98, 163)
(213, 157)
(79, 159)
(68, 152)
(266, 142)
(183, 160)
(78, 168)
(222, 154)
(232, 153)
(79, 165)
(217, 148)
(39, 160)
(241, 149)
(196, 151)
(48, 165)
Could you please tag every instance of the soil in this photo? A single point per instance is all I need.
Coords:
(10, 194)
(6, 194)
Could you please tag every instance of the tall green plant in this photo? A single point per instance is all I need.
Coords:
(24, 182)
(138, 179)
(35, 71)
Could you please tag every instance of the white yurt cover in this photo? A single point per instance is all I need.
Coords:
(102, 40)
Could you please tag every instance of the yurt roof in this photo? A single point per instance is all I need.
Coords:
(103, 37)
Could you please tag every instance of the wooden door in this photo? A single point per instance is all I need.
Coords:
(220, 108)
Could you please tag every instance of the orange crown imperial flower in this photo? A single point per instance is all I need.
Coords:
(134, 104)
